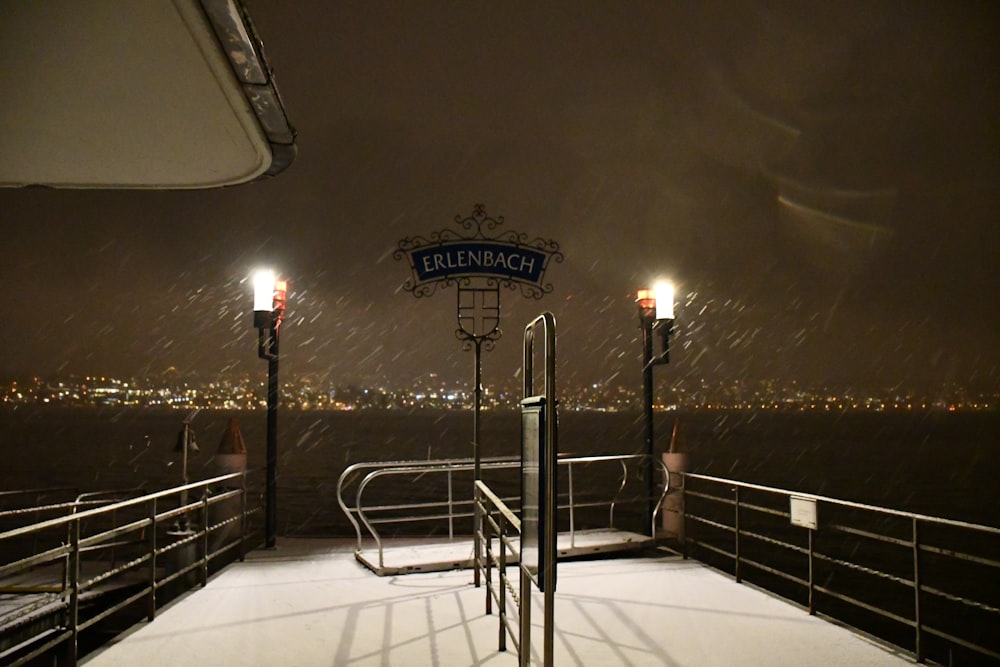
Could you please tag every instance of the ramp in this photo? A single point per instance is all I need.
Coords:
(411, 555)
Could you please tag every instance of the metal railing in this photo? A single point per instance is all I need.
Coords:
(23, 507)
(367, 518)
(10, 505)
(853, 564)
(75, 566)
(500, 521)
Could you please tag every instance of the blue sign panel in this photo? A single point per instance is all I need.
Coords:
(478, 258)
(508, 259)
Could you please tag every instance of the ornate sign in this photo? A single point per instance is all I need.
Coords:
(478, 265)
(449, 257)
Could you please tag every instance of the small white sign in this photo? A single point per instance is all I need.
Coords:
(803, 511)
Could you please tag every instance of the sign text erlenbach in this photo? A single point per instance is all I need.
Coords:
(489, 258)
(509, 259)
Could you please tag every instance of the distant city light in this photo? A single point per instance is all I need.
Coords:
(243, 393)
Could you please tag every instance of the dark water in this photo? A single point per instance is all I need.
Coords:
(945, 464)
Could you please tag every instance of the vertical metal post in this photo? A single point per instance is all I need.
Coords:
(550, 540)
(73, 612)
(917, 623)
(812, 584)
(271, 520)
(268, 322)
(451, 510)
(655, 317)
(684, 524)
(572, 518)
(204, 539)
(478, 311)
(114, 525)
(243, 516)
(477, 469)
(478, 397)
(487, 539)
(647, 406)
(151, 601)
(524, 612)
(185, 443)
(552, 504)
(502, 580)
(738, 574)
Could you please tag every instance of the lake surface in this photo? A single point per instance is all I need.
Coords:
(940, 463)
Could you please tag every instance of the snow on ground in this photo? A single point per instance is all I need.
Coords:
(309, 603)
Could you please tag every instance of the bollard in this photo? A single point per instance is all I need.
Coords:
(673, 504)
(232, 454)
(179, 558)
(677, 461)
(231, 457)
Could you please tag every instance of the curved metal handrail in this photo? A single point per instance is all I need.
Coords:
(392, 468)
(446, 464)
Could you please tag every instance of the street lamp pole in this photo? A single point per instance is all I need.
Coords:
(269, 310)
(656, 317)
(478, 310)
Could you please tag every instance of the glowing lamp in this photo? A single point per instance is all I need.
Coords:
(263, 297)
(280, 290)
(657, 303)
(646, 298)
(268, 299)
(663, 295)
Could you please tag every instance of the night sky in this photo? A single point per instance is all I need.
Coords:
(819, 179)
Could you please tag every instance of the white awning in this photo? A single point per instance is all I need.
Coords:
(144, 94)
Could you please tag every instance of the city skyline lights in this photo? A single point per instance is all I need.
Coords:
(248, 394)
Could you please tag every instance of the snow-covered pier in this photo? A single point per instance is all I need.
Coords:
(309, 602)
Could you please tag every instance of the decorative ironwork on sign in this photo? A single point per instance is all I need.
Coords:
(448, 257)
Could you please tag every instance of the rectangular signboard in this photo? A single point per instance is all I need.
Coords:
(803, 512)
(447, 257)
(470, 258)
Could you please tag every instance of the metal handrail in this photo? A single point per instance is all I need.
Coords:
(23, 513)
(359, 515)
(916, 580)
(846, 503)
(140, 532)
(38, 493)
(122, 504)
(97, 498)
(502, 522)
(438, 464)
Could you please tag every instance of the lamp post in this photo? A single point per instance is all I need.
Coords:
(478, 311)
(656, 319)
(268, 311)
